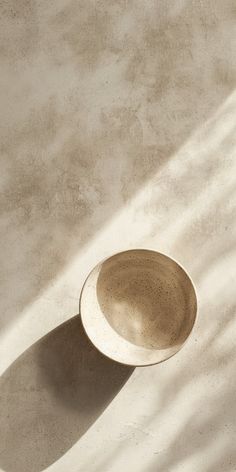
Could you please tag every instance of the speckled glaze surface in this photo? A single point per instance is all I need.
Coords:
(138, 307)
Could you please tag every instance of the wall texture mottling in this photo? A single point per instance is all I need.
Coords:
(117, 131)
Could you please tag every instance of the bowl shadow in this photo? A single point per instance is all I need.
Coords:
(51, 395)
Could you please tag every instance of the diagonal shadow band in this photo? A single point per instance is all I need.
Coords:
(51, 395)
(74, 152)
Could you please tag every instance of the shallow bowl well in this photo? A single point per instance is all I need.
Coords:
(138, 307)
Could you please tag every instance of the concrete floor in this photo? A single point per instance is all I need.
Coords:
(117, 131)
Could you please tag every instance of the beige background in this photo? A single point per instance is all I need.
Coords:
(117, 131)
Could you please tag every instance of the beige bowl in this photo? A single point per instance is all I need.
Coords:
(138, 307)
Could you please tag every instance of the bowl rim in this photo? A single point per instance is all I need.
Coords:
(96, 266)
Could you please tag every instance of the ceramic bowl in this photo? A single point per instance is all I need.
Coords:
(138, 307)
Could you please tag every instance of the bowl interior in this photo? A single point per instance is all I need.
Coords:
(147, 298)
(138, 307)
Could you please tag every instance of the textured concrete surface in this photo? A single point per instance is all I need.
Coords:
(117, 131)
